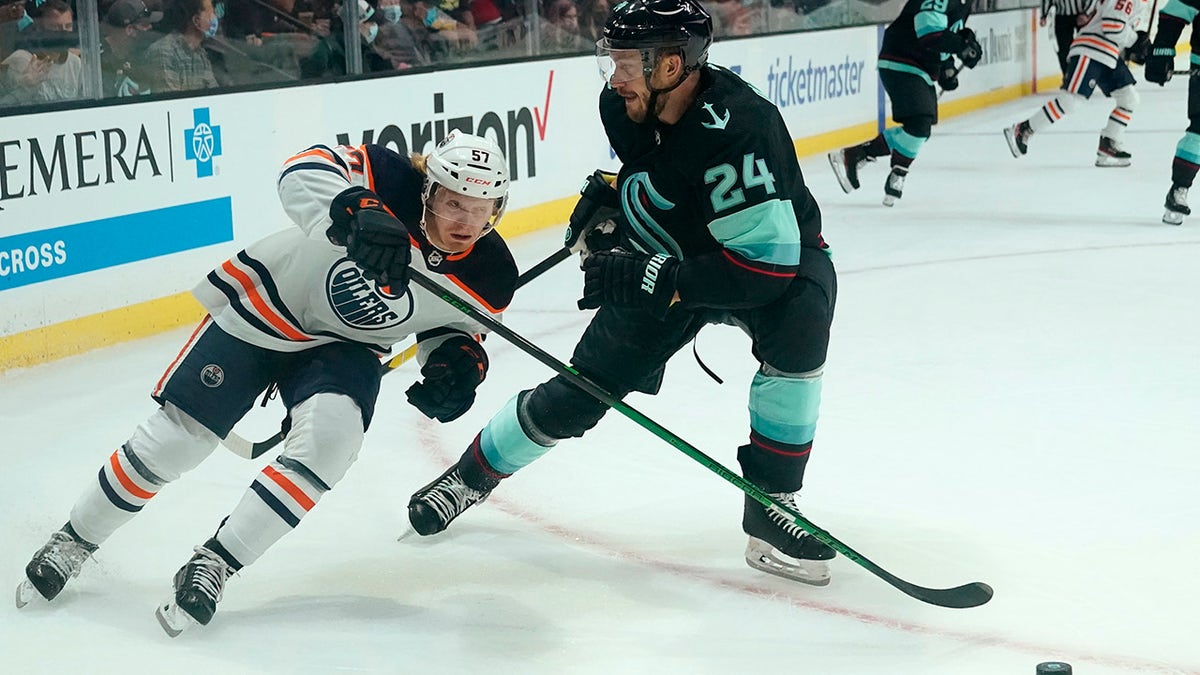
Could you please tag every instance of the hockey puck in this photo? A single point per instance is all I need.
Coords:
(1053, 668)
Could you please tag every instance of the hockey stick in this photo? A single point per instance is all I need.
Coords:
(957, 69)
(967, 595)
(246, 449)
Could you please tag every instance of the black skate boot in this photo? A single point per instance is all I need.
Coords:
(1176, 205)
(199, 586)
(778, 546)
(893, 189)
(1018, 138)
(56, 562)
(1110, 154)
(846, 163)
(434, 506)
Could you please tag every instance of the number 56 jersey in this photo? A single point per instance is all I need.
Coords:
(720, 190)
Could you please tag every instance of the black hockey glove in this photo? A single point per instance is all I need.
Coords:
(947, 77)
(971, 51)
(452, 373)
(1140, 49)
(629, 280)
(1160, 64)
(593, 224)
(374, 239)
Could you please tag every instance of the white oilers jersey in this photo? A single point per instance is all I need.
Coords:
(294, 289)
(1112, 26)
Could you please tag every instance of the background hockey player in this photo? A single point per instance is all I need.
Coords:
(308, 310)
(1096, 59)
(718, 227)
(1069, 17)
(918, 50)
(1175, 15)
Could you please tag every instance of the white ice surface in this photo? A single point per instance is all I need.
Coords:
(1011, 396)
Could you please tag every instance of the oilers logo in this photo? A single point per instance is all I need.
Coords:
(212, 376)
(360, 304)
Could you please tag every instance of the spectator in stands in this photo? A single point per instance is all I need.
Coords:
(329, 56)
(123, 47)
(11, 15)
(447, 34)
(178, 62)
(592, 15)
(45, 66)
(560, 28)
(405, 44)
(730, 17)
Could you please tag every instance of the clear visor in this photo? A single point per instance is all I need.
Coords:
(473, 211)
(618, 66)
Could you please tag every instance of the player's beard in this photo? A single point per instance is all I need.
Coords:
(637, 108)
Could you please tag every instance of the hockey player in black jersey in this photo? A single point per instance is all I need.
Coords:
(1172, 19)
(716, 226)
(307, 311)
(918, 50)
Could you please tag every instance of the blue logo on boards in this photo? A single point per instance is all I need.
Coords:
(202, 142)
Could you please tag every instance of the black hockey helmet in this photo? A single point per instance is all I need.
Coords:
(651, 25)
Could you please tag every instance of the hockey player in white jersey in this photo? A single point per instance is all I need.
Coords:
(309, 310)
(1113, 32)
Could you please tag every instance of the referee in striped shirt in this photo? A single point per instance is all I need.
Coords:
(1069, 17)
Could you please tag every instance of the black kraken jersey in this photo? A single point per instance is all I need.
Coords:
(720, 190)
(923, 35)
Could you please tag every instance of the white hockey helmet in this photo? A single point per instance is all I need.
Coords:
(472, 166)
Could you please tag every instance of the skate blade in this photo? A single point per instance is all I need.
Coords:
(172, 619)
(1106, 161)
(407, 533)
(1011, 139)
(839, 171)
(889, 200)
(763, 557)
(26, 593)
(1172, 218)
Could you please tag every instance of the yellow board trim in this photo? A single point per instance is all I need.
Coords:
(76, 336)
(155, 316)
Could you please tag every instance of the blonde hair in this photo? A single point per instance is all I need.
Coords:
(418, 163)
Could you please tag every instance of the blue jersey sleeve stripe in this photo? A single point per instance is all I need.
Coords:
(1178, 9)
(929, 22)
(764, 233)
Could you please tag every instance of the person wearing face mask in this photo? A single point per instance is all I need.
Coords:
(329, 56)
(178, 61)
(402, 46)
(121, 41)
(45, 66)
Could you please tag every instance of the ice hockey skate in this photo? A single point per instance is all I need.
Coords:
(53, 565)
(433, 507)
(1018, 138)
(893, 189)
(1176, 205)
(1110, 154)
(780, 547)
(199, 586)
(846, 163)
